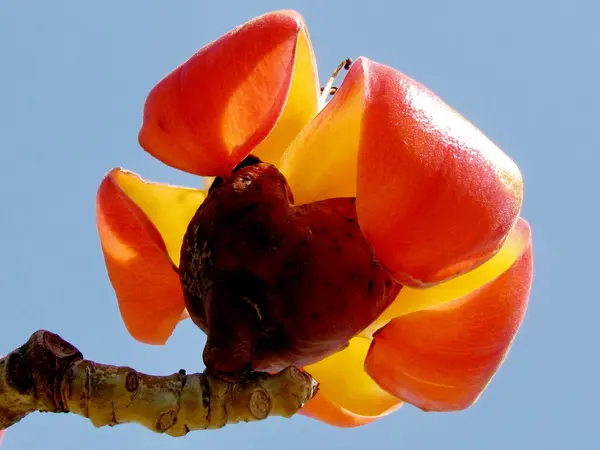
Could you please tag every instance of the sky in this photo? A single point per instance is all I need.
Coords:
(73, 79)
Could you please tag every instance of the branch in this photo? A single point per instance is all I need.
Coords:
(49, 374)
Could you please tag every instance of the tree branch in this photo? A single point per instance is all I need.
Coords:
(49, 374)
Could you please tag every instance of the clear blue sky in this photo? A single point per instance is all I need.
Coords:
(73, 79)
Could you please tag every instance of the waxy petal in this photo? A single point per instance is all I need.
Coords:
(410, 300)
(344, 382)
(441, 359)
(144, 277)
(435, 197)
(213, 110)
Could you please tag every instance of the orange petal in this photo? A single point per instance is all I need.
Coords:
(441, 359)
(140, 270)
(210, 112)
(347, 395)
(435, 197)
(410, 299)
(324, 410)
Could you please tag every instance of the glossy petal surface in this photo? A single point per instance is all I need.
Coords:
(435, 197)
(213, 110)
(410, 300)
(348, 396)
(441, 359)
(143, 276)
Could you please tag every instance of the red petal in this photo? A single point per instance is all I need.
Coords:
(441, 359)
(210, 112)
(435, 197)
(140, 270)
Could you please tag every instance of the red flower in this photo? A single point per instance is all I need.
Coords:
(438, 202)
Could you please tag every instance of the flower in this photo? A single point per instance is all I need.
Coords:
(436, 200)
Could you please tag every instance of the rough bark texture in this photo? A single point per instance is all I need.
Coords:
(49, 374)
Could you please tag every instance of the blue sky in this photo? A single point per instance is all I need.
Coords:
(73, 79)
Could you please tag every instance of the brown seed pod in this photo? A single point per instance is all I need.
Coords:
(273, 284)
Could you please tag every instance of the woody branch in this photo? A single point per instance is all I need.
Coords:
(49, 374)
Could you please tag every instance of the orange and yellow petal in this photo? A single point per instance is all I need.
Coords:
(435, 197)
(321, 162)
(410, 299)
(442, 358)
(139, 267)
(214, 109)
(347, 396)
(301, 105)
(169, 208)
(324, 410)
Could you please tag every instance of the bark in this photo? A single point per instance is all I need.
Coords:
(48, 374)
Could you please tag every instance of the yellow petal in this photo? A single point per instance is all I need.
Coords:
(169, 208)
(343, 380)
(301, 105)
(321, 162)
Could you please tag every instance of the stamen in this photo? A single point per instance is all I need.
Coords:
(329, 88)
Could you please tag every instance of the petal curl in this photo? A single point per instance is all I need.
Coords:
(214, 109)
(139, 267)
(410, 300)
(347, 395)
(435, 197)
(441, 359)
